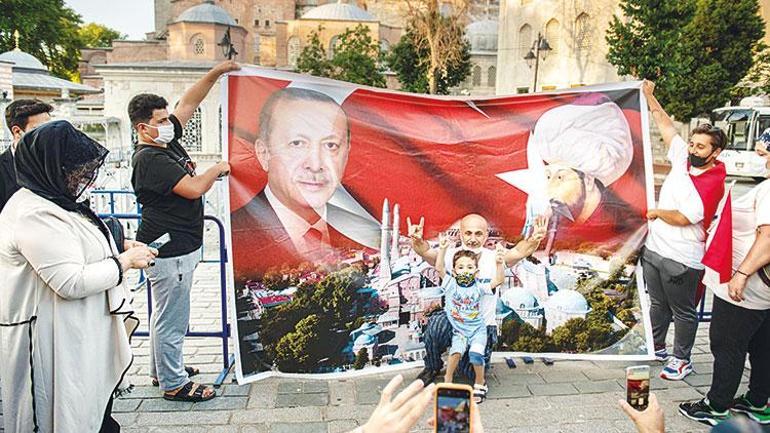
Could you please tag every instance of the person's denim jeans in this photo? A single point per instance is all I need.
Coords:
(171, 280)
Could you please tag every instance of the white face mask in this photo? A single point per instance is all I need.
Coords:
(165, 133)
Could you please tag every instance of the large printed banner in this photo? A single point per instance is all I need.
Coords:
(325, 175)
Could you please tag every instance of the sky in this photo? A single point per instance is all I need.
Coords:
(131, 17)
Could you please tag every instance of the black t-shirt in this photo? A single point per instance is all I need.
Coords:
(156, 172)
(8, 184)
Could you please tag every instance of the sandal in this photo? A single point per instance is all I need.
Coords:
(191, 371)
(186, 393)
(479, 393)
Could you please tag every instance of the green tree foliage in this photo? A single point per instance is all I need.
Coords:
(411, 66)
(356, 58)
(293, 351)
(93, 35)
(695, 50)
(48, 30)
(362, 358)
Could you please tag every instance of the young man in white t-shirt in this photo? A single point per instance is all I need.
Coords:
(740, 318)
(676, 240)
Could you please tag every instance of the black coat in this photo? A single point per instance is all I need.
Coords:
(8, 185)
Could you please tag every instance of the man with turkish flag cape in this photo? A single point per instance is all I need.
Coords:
(320, 165)
(673, 260)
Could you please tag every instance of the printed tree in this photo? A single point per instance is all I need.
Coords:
(362, 358)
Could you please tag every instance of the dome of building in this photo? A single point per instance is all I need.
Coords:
(338, 11)
(568, 301)
(364, 340)
(23, 60)
(482, 35)
(519, 299)
(206, 12)
(563, 279)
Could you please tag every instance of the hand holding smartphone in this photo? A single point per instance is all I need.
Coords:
(453, 408)
(638, 386)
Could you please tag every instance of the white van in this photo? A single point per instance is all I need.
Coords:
(743, 126)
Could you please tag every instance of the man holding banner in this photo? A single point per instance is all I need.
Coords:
(676, 241)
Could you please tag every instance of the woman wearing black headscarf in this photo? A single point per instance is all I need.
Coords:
(65, 315)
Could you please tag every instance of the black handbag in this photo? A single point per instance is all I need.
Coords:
(116, 229)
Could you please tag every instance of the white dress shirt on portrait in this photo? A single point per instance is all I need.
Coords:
(296, 227)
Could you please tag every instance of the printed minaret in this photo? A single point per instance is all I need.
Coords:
(384, 241)
(395, 235)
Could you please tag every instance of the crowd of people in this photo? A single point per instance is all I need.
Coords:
(63, 287)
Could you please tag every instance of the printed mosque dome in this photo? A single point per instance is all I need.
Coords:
(519, 299)
(338, 11)
(482, 35)
(563, 279)
(568, 301)
(207, 12)
(23, 60)
(364, 340)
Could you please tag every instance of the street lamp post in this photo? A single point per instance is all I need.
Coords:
(540, 46)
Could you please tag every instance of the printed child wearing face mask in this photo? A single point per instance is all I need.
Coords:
(462, 293)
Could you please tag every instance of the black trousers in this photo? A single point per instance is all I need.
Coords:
(109, 425)
(735, 332)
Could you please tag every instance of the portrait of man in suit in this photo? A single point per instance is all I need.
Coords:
(303, 145)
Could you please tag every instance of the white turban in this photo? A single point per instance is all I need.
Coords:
(593, 139)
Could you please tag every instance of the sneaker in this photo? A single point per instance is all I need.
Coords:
(427, 376)
(702, 411)
(676, 369)
(661, 355)
(758, 414)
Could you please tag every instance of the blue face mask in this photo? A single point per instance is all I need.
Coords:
(465, 279)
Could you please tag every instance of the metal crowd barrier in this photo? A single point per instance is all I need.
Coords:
(224, 332)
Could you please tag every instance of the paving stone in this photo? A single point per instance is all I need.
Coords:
(269, 416)
(298, 400)
(552, 389)
(255, 428)
(597, 387)
(509, 391)
(558, 376)
(342, 392)
(303, 387)
(234, 390)
(605, 373)
(698, 379)
(183, 418)
(368, 390)
(310, 427)
(342, 426)
(162, 405)
(221, 403)
(125, 405)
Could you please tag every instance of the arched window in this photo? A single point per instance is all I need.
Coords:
(192, 135)
(491, 76)
(552, 35)
(525, 39)
(334, 42)
(198, 46)
(477, 75)
(582, 33)
(293, 51)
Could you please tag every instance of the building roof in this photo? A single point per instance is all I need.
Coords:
(206, 12)
(519, 299)
(568, 301)
(23, 60)
(482, 35)
(338, 11)
(40, 80)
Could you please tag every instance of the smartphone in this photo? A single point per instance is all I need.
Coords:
(162, 240)
(453, 408)
(638, 386)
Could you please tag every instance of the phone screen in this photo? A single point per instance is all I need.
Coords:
(638, 386)
(453, 411)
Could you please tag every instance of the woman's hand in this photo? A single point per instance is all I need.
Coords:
(137, 257)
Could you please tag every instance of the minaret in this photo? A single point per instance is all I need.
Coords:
(395, 233)
(384, 241)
